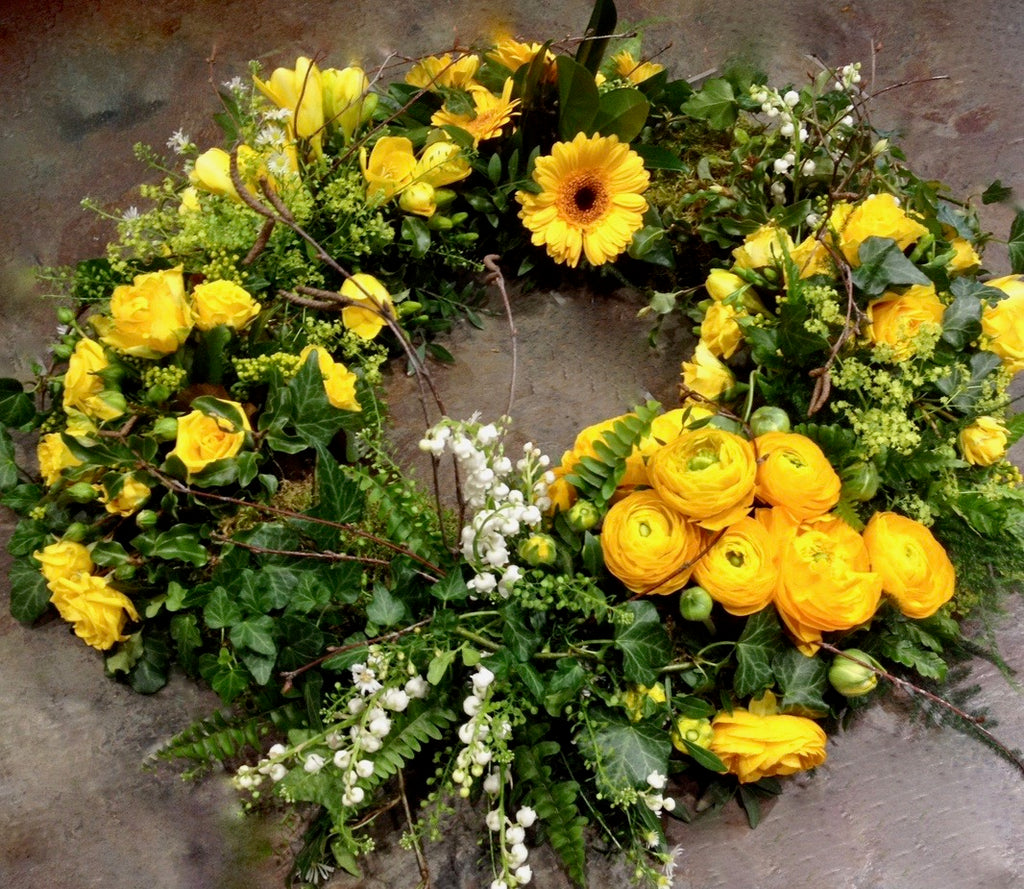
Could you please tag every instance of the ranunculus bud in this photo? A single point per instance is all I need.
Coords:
(146, 519)
(860, 481)
(76, 532)
(696, 731)
(165, 429)
(850, 678)
(583, 515)
(769, 419)
(65, 315)
(538, 549)
(82, 492)
(696, 603)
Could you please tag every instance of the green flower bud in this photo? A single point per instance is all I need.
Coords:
(769, 419)
(538, 549)
(165, 429)
(860, 481)
(439, 222)
(63, 351)
(583, 515)
(65, 315)
(409, 307)
(146, 519)
(850, 678)
(157, 394)
(82, 492)
(76, 532)
(696, 731)
(696, 603)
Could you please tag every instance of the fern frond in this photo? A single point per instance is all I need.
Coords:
(403, 744)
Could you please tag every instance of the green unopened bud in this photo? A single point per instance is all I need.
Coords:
(696, 603)
(165, 429)
(157, 394)
(696, 731)
(439, 222)
(65, 315)
(769, 419)
(82, 492)
(124, 572)
(850, 678)
(76, 532)
(63, 351)
(146, 519)
(860, 481)
(538, 549)
(443, 197)
(583, 515)
(409, 307)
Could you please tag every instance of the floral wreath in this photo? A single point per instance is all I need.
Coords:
(684, 604)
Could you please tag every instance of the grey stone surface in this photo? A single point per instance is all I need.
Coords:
(897, 806)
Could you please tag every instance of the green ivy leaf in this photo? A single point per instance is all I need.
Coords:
(658, 157)
(255, 634)
(315, 419)
(882, 264)
(715, 102)
(30, 596)
(521, 639)
(626, 752)
(149, 674)
(221, 610)
(385, 610)
(16, 407)
(759, 642)
(1015, 244)
(803, 681)
(563, 685)
(996, 193)
(8, 467)
(644, 644)
(180, 542)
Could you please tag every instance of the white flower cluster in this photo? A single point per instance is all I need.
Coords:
(847, 78)
(502, 505)
(653, 798)
(180, 142)
(476, 755)
(512, 837)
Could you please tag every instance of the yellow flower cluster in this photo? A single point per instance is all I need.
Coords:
(392, 169)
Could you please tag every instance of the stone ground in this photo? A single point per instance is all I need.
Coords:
(897, 806)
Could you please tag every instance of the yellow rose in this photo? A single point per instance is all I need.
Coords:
(707, 475)
(371, 305)
(794, 474)
(339, 381)
(201, 438)
(1003, 323)
(418, 198)
(128, 499)
(719, 330)
(98, 612)
(767, 246)
(897, 318)
(705, 375)
(824, 584)
(914, 567)
(811, 256)
(390, 168)
(741, 569)
(64, 558)
(965, 258)
(298, 90)
(348, 102)
(149, 318)
(984, 441)
(878, 216)
(647, 545)
(223, 302)
(443, 71)
(84, 389)
(756, 746)
(212, 173)
(54, 457)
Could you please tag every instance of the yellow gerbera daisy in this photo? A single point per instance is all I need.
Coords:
(628, 67)
(492, 113)
(590, 200)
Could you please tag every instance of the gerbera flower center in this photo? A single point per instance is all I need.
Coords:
(584, 198)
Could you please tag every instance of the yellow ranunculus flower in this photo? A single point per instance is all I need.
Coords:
(84, 390)
(348, 103)
(719, 330)
(1003, 323)
(201, 439)
(767, 246)
(63, 559)
(418, 198)
(223, 302)
(914, 567)
(664, 428)
(824, 582)
(741, 569)
(897, 318)
(705, 375)
(298, 90)
(878, 216)
(54, 457)
(390, 168)
(128, 500)
(756, 746)
(98, 611)
(794, 474)
(433, 72)
(149, 318)
(647, 545)
(371, 303)
(339, 381)
(984, 441)
(212, 172)
(707, 475)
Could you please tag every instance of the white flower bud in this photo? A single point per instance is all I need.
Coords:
(276, 750)
(342, 758)
(524, 874)
(481, 679)
(364, 768)
(417, 687)
(526, 816)
(314, 762)
(471, 706)
(492, 783)
(791, 98)
(277, 771)
(517, 855)
(515, 834)
(493, 820)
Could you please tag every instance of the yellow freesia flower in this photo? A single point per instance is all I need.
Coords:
(299, 90)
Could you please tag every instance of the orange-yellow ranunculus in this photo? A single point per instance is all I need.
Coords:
(54, 457)
(824, 582)
(1003, 323)
(664, 428)
(794, 474)
(84, 389)
(299, 91)
(707, 475)
(202, 438)
(128, 499)
(64, 558)
(390, 167)
(741, 569)
(764, 247)
(223, 302)
(914, 567)
(720, 331)
(754, 746)
(647, 545)
(98, 611)
(149, 318)
(897, 318)
(433, 72)
(706, 375)
(348, 103)
(339, 381)
(371, 303)
(878, 216)
(984, 441)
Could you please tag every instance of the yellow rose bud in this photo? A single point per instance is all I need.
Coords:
(127, 500)
(696, 731)
(390, 168)
(99, 612)
(912, 564)
(84, 389)
(879, 216)
(63, 559)
(223, 302)
(54, 457)
(1003, 323)
(707, 475)
(896, 319)
(647, 545)
(719, 330)
(760, 746)
(371, 303)
(300, 91)
(339, 381)
(705, 375)
(201, 438)
(767, 246)
(418, 198)
(965, 257)
(348, 103)
(794, 474)
(149, 318)
(984, 441)
(741, 569)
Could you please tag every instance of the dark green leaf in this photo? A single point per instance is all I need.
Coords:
(626, 752)
(803, 681)
(385, 610)
(28, 536)
(521, 639)
(644, 644)
(180, 542)
(882, 265)
(221, 610)
(256, 634)
(416, 232)
(759, 642)
(601, 26)
(622, 113)
(704, 757)
(578, 99)
(450, 588)
(996, 193)
(1015, 244)
(149, 674)
(314, 418)
(8, 468)
(30, 596)
(16, 407)
(715, 102)
(658, 157)
(563, 685)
